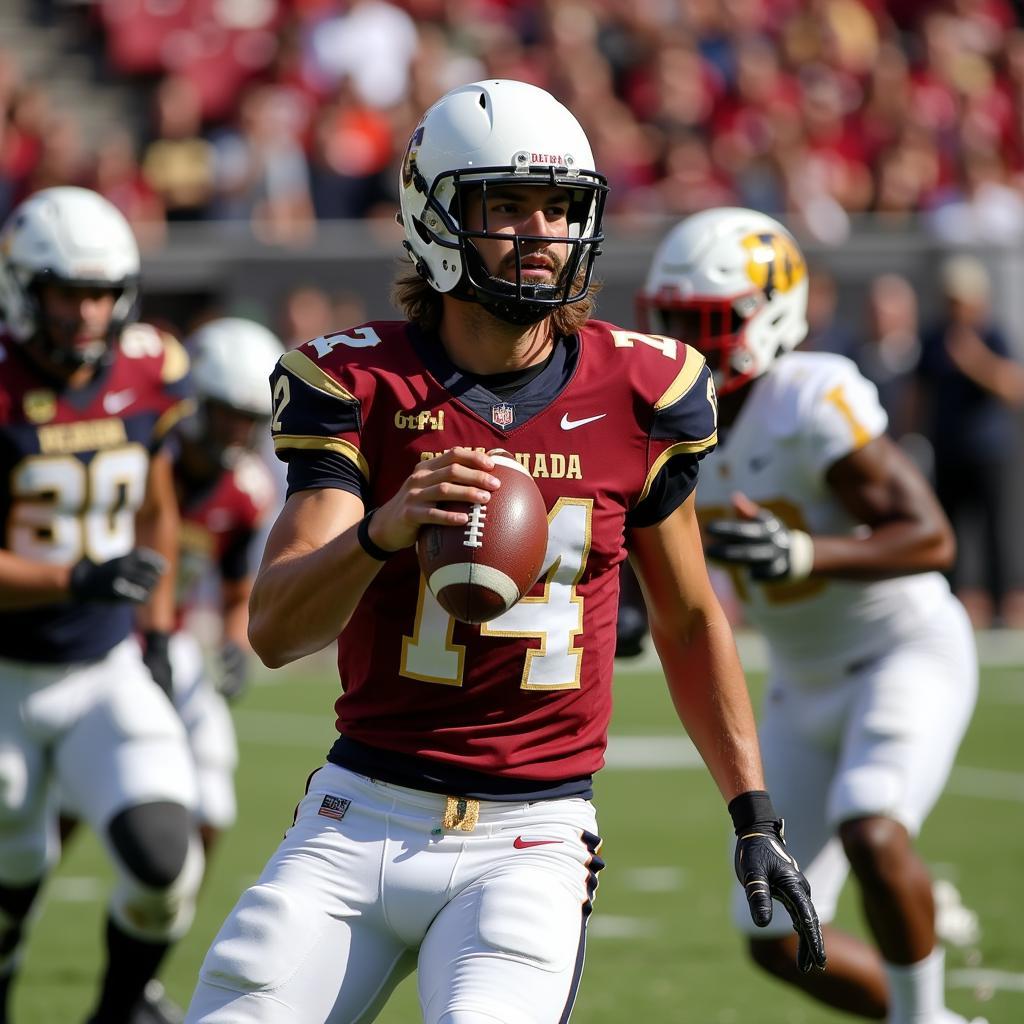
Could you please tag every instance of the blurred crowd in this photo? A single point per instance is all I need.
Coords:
(283, 112)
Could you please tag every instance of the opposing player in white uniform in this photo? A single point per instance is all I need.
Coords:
(834, 543)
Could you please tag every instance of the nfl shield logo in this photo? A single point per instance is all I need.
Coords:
(503, 415)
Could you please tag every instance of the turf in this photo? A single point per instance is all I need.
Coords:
(661, 947)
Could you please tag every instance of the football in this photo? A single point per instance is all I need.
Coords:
(481, 569)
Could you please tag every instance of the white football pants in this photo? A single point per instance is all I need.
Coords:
(102, 732)
(367, 885)
(879, 740)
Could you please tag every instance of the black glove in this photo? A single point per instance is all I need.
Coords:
(765, 545)
(234, 670)
(156, 653)
(130, 577)
(766, 869)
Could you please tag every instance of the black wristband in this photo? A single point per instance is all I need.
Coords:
(751, 807)
(157, 641)
(366, 541)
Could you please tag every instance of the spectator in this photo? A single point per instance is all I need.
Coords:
(306, 314)
(973, 386)
(178, 164)
(119, 178)
(262, 175)
(891, 350)
(826, 330)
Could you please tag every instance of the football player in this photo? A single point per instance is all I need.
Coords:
(224, 493)
(90, 524)
(835, 544)
(452, 827)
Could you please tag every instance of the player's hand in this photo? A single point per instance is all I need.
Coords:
(459, 475)
(156, 653)
(130, 577)
(234, 670)
(766, 870)
(760, 542)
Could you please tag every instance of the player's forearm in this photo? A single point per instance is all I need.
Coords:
(159, 532)
(235, 611)
(893, 549)
(302, 600)
(28, 584)
(710, 694)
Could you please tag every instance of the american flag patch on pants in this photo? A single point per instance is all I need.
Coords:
(334, 807)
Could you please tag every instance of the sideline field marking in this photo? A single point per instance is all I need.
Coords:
(625, 753)
(986, 978)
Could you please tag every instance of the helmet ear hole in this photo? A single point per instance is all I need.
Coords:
(422, 231)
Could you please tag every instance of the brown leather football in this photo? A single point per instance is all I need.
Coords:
(479, 570)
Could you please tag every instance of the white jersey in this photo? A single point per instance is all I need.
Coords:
(809, 410)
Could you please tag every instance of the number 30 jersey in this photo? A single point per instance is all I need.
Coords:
(73, 472)
(808, 411)
(611, 431)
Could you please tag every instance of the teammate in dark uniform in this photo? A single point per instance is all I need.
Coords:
(90, 522)
(452, 828)
(224, 492)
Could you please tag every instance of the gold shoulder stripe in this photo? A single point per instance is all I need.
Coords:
(681, 448)
(323, 444)
(685, 379)
(170, 416)
(175, 360)
(305, 369)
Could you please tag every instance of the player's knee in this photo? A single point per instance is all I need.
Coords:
(875, 847)
(152, 841)
(774, 955)
(156, 892)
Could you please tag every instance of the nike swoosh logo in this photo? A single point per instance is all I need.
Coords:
(116, 401)
(568, 424)
(525, 844)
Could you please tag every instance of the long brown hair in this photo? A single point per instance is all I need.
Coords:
(422, 305)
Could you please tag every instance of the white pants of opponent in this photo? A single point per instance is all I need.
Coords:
(878, 740)
(367, 885)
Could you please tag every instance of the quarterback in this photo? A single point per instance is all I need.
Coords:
(90, 523)
(834, 543)
(452, 829)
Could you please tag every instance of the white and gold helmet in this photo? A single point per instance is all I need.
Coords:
(498, 133)
(70, 236)
(232, 359)
(732, 283)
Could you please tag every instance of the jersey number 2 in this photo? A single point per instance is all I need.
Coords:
(555, 617)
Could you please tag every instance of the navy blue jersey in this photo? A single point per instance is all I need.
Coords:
(73, 471)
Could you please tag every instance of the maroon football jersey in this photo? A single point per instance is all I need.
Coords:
(218, 523)
(73, 472)
(528, 694)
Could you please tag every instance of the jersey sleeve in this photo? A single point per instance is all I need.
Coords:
(841, 413)
(683, 430)
(316, 427)
(176, 387)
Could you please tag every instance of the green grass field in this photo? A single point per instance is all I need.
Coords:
(661, 948)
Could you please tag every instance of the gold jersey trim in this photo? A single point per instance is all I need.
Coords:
(173, 415)
(299, 364)
(81, 436)
(323, 444)
(685, 379)
(680, 448)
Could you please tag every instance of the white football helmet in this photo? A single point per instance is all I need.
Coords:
(486, 134)
(69, 236)
(732, 283)
(232, 359)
